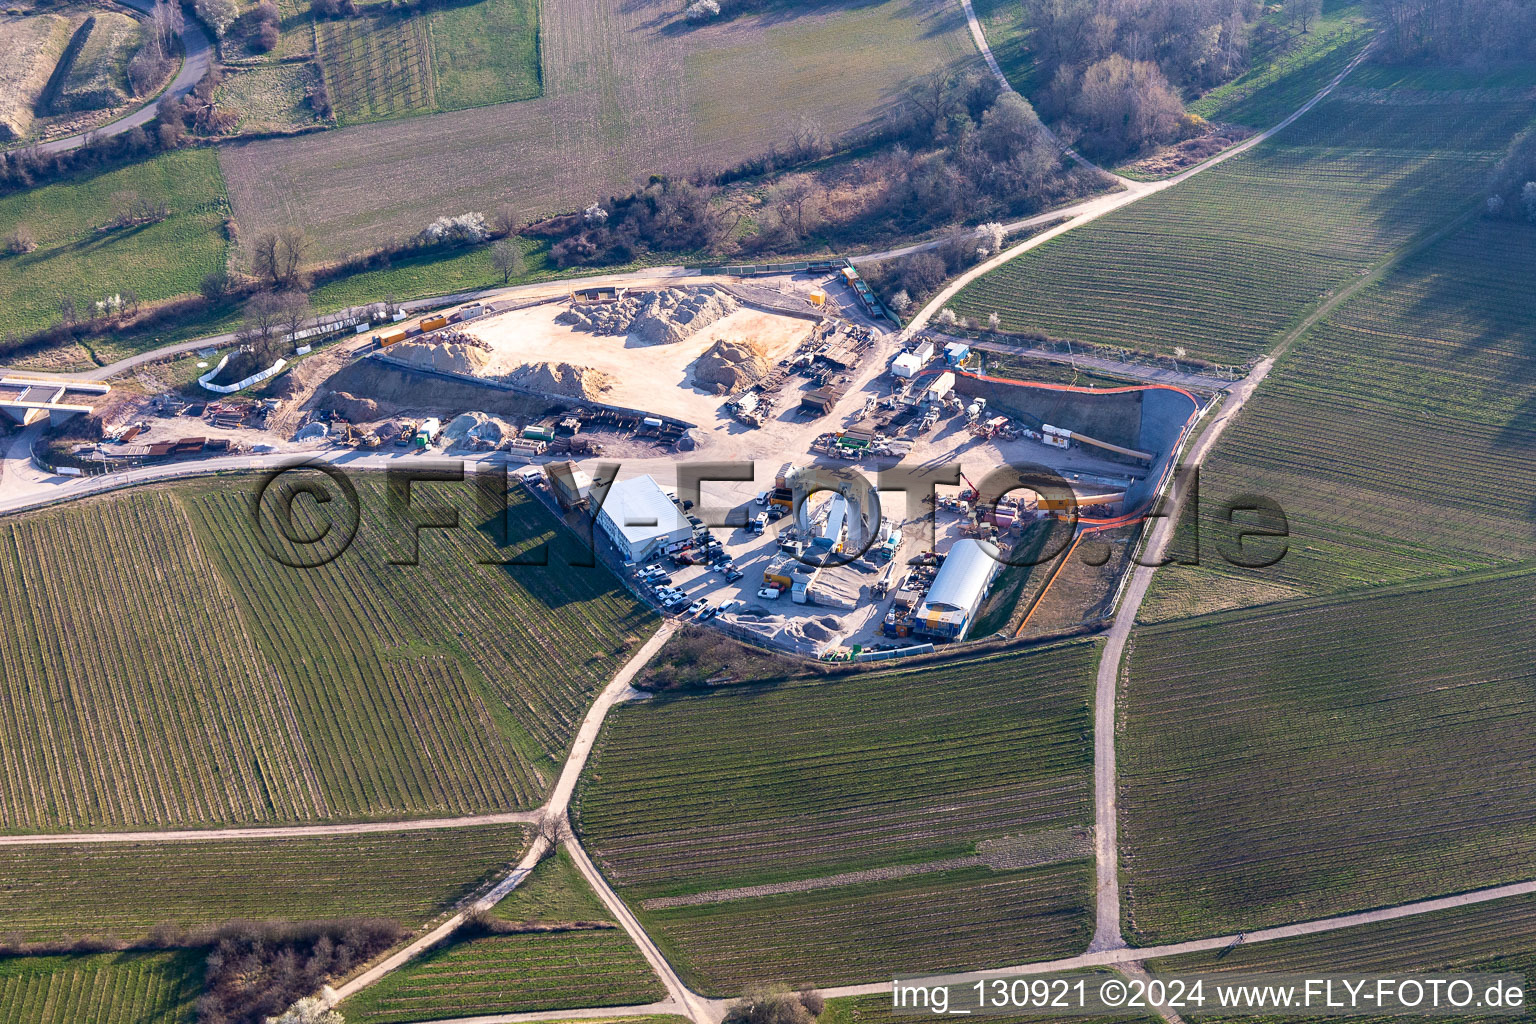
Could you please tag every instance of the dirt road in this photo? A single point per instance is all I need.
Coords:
(195, 835)
(617, 690)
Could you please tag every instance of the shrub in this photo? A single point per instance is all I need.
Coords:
(466, 228)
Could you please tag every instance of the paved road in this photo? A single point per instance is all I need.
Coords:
(194, 835)
(195, 64)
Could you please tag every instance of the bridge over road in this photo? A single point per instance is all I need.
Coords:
(28, 400)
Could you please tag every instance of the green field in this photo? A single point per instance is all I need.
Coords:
(1305, 760)
(964, 919)
(1289, 70)
(843, 774)
(871, 805)
(109, 988)
(1224, 264)
(1497, 937)
(74, 258)
(269, 99)
(383, 65)
(123, 890)
(878, 1010)
(219, 687)
(521, 971)
(1003, 23)
(513, 973)
(1396, 435)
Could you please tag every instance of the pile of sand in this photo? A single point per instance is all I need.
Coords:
(352, 408)
(561, 379)
(653, 318)
(728, 366)
(460, 354)
(477, 429)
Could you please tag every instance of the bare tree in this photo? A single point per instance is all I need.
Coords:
(292, 311)
(554, 830)
(262, 317)
(264, 263)
(278, 256)
(67, 309)
(792, 197)
(504, 220)
(507, 258)
(292, 248)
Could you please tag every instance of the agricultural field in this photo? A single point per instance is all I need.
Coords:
(1221, 266)
(1327, 755)
(383, 65)
(565, 950)
(106, 988)
(967, 918)
(123, 890)
(627, 90)
(223, 688)
(30, 48)
(269, 99)
(1396, 435)
(98, 75)
(1497, 937)
(514, 972)
(75, 257)
(878, 1010)
(842, 774)
(878, 800)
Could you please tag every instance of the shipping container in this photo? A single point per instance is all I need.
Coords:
(432, 323)
(388, 338)
(538, 433)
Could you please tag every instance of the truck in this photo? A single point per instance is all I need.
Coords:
(428, 432)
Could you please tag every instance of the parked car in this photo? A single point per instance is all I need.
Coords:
(673, 601)
(762, 497)
(709, 612)
(776, 513)
(760, 523)
(697, 606)
(733, 575)
(730, 606)
(660, 581)
(768, 594)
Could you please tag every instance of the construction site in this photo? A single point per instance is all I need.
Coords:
(826, 551)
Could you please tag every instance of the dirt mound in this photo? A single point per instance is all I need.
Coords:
(461, 354)
(352, 408)
(728, 366)
(477, 429)
(561, 379)
(653, 318)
